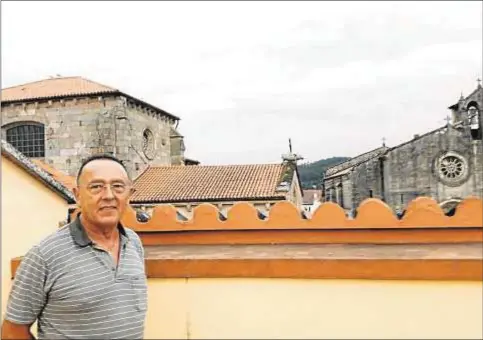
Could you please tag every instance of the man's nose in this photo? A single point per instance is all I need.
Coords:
(108, 192)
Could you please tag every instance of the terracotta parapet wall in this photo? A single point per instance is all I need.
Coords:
(423, 222)
(423, 225)
(422, 212)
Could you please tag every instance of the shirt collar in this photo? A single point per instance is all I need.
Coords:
(80, 236)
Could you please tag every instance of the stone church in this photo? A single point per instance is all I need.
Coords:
(445, 164)
(63, 120)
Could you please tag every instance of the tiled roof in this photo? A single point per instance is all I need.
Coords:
(66, 87)
(18, 158)
(66, 180)
(55, 87)
(166, 184)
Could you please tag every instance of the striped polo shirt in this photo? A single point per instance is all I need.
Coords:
(74, 290)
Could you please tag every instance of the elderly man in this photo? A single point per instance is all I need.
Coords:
(87, 280)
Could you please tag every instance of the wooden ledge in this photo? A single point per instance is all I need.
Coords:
(445, 262)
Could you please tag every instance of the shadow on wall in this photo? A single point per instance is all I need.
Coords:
(144, 217)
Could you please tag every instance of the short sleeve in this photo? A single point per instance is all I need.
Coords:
(27, 297)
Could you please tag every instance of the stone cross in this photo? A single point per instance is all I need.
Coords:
(383, 141)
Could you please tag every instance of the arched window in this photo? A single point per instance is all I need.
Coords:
(28, 138)
(473, 115)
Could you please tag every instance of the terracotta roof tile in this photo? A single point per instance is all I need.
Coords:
(203, 183)
(66, 87)
(55, 87)
(66, 180)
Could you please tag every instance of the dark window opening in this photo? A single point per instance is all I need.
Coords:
(371, 194)
(29, 139)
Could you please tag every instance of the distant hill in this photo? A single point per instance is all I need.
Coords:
(311, 174)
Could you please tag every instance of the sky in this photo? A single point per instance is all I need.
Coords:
(245, 76)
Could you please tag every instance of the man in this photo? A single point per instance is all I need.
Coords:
(87, 280)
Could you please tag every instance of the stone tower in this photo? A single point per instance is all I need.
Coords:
(467, 112)
(64, 120)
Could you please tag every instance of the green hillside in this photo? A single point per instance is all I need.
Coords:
(311, 174)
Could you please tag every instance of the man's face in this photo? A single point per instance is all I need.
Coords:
(103, 192)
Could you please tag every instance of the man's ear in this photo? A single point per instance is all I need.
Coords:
(76, 192)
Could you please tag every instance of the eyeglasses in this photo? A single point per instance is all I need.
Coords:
(117, 188)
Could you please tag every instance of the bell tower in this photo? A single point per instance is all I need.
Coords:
(466, 113)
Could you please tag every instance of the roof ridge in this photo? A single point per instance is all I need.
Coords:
(420, 136)
(352, 158)
(213, 165)
(38, 81)
(95, 82)
(61, 78)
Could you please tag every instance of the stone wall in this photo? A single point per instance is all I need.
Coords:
(77, 128)
(177, 148)
(339, 189)
(414, 168)
(348, 202)
(73, 128)
(131, 143)
(366, 181)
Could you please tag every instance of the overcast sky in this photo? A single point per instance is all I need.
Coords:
(336, 77)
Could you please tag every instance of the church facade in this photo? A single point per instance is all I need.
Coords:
(445, 164)
(62, 121)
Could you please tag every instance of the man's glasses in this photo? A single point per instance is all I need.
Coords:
(117, 188)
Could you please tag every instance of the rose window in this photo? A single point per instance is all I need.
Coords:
(451, 167)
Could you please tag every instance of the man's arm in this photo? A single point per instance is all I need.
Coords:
(12, 330)
(27, 297)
